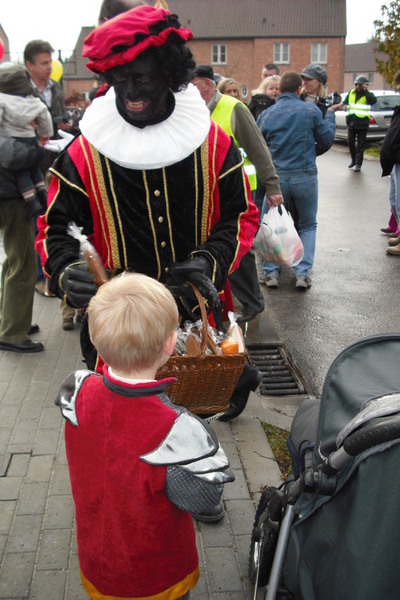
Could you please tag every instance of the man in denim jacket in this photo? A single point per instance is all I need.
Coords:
(291, 128)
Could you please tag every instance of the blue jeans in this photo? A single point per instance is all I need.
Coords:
(300, 193)
(394, 192)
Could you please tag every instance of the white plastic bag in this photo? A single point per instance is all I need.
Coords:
(277, 240)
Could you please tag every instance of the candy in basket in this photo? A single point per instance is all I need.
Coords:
(206, 378)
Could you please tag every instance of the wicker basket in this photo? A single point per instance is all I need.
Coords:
(204, 383)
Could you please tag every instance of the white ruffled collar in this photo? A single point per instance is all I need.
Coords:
(154, 146)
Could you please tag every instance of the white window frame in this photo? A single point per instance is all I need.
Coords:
(282, 53)
(319, 52)
(219, 54)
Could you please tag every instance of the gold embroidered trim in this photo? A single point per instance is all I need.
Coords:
(214, 271)
(153, 229)
(207, 194)
(60, 285)
(47, 228)
(234, 168)
(114, 243)
(171, 240)
(196, 203)
(238, 244)
(61, 277)
(98, 177)
(68, 182)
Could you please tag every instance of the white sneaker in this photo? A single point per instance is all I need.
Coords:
(302, 282)
(271, 280)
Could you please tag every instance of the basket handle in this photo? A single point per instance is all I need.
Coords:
(206, 339)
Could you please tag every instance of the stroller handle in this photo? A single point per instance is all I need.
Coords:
(379, 431)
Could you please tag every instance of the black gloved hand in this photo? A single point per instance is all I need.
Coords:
(197, 271)
(32, 208)
(78, 284)
(42, 196)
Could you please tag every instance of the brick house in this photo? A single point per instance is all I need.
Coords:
(238, 38)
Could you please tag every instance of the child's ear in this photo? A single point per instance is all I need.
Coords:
(170, 344)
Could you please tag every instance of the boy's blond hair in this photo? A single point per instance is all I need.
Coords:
(130, 319)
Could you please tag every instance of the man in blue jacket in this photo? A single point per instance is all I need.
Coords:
(291, 128)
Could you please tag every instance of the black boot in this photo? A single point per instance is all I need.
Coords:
(248, 382)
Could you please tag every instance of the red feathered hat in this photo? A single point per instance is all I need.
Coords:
(121, 39)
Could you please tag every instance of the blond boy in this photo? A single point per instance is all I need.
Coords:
(139, 465)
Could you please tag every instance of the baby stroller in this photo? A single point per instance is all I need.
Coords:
(331, 532)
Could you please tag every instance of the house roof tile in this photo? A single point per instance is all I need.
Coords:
(262, 18)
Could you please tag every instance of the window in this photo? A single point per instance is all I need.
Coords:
(319, 53)
(281, 53)
(371, 78)
(218, 54)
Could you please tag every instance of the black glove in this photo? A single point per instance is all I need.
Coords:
(78, 284)
(32, 208)
(197, 271)
(42, 195)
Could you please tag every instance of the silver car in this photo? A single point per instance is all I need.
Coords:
(381, 115)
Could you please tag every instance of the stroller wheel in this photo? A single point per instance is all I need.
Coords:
(264, 538)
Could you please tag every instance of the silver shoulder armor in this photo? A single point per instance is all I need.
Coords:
(197, 466)
(187, 440)
(66, 398)
(190, 447)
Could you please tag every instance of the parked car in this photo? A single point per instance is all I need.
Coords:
(381, 115)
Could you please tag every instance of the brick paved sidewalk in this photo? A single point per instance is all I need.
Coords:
(37, 538)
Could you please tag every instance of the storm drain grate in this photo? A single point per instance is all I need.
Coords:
(280, 376)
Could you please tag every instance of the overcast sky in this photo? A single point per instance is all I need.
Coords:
(60, 22)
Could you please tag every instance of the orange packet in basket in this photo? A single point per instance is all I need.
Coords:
(229, 346)
(235, 332)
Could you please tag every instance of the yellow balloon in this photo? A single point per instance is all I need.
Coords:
(56, 70)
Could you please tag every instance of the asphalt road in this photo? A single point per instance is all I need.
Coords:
(355, 284)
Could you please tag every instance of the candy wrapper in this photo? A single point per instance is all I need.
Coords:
(235, 334)
(89, 254)
(189, 337)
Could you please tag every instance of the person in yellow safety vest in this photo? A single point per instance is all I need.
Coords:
(359, 100)
(234, 117)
